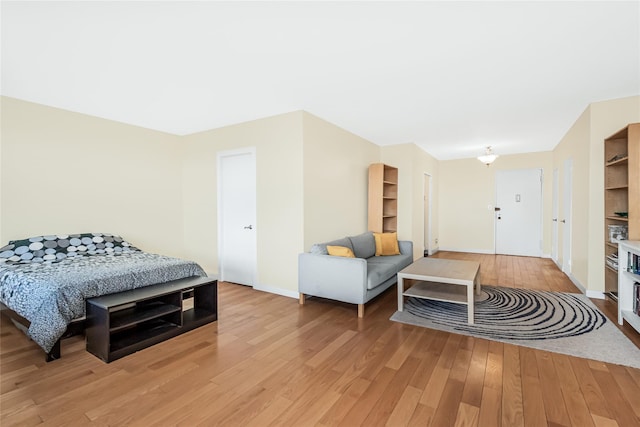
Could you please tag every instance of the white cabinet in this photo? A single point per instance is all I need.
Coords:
(628, 275)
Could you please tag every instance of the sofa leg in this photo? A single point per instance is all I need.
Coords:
(360, 310)
(301, 299)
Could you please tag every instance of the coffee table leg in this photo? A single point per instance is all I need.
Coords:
(400, 293)
(470, 303)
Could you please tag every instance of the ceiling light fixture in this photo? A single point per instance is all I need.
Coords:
(488, 156)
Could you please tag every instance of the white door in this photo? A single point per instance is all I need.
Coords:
(427, 214)
(566, 215)
(519, 218)
(554, 217)
(237, 216)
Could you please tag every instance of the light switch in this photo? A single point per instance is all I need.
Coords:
(517, 198)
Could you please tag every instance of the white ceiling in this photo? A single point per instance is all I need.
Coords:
(451, 76)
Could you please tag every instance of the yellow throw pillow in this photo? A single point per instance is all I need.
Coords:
(340, 251)
(386, 244)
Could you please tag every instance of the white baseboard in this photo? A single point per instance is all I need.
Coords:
(266, 288)
(277, 291)
(595, 294)
(577, 283)
(473, 251)
(433, 251)
(588, 292)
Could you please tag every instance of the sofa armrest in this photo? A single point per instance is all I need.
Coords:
(338, 278)
(406, 247)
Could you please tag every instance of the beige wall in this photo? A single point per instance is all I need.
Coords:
(336, 166)
(279, 228)
(3, 241)
(468, 188)
(64, 172)
(160, 191)
(312, 187)
(413, 163)
(584, 144)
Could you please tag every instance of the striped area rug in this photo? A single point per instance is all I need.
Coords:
(553, 321)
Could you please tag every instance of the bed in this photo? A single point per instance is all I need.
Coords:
(45, 280)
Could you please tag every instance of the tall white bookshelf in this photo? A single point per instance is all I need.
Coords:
(626, 280)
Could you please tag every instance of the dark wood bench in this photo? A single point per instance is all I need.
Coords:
(126, 322)
(203, 312)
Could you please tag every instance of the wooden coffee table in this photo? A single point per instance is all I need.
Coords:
(441, 280)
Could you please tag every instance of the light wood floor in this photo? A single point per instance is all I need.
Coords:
(269, 361)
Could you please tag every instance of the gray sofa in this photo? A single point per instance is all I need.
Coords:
(352, 280)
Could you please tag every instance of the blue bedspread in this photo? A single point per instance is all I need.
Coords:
(51, 295)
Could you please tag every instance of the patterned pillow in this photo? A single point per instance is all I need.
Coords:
(54, 248)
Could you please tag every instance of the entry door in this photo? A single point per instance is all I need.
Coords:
(554, 216)
(519, 218)
(237, 216)
(566, 215)
(427, 214)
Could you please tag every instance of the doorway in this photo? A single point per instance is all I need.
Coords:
(426, 205)
(519, 212)
(237, 216)
(566, 215)
(554, 216)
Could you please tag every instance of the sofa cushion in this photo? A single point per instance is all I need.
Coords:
(379, 272)
(340, 251)
(400, 261)
(321, 248)
(386, 244)
(318, 249)
(364, 245)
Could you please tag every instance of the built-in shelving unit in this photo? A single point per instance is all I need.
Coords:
(383, 198)
(122, 323)
(628, 279)
(621, 198)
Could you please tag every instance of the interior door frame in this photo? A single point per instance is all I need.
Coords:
(567, 212)
(555, 209)
(540, 223)
(220, 158)
(426, 210)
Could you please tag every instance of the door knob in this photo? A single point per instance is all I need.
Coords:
(562, 221)
(248, 227)
(555, 220)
